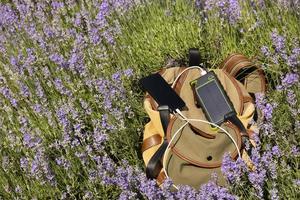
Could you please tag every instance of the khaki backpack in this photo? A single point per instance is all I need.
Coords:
(197, 150)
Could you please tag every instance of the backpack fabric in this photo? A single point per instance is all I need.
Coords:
(197, 150)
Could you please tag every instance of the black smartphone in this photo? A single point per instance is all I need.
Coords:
(161, 91)
(212, 98)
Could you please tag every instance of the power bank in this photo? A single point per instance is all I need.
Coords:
(212, 98)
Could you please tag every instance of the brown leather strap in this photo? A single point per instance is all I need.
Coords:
(162, 71)
(250, 133)
(238, 61)
(227, 59)
(161, 177)
(151, 100)
(232, 61)
(151, 141)
(181, 80)
(201, 133)
(239, 64)
(248, 99)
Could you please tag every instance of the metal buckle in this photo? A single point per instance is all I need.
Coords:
(163, 107)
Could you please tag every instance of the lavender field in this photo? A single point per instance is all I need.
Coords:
(71, 109)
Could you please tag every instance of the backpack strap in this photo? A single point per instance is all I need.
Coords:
(245, 71)
(151, 141)
(164, 114)
(194, 57)
(244, 134)
(155, 164)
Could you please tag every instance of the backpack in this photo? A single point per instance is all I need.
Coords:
(189, 153)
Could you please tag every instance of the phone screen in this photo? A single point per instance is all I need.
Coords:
(161, 91)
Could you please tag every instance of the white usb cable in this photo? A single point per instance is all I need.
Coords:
(203, 72)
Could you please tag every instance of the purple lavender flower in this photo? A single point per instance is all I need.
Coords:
(290, 79)
(6, 92)
(88, 195)
(57, 5)
(13, 60)
(109, 35)
(61, 88)
(46, 72)
(31, 141)
(257, 179)
(294, 59)
(128, 72)
(24, 90)
(268, 110)
(61, 114)
(92, 175)
(148, 187)
(99, 139)
(296, 182)
(265, 50)
(37, 108)
(233, 170)
(8, 16)
(276, 151)
(39, 90)
(18, 189)
(104, 11)
(295, 151)
(125, 195)
(121, 6)
(49, 32)
(212, 191)
(34, 168)
(260, 100)
(94, 36)
(57, 58)
(73, 59)
(278, 42)
(229, 10)
(77, 20)
(274, 193)
(186, 192)
(62, 161)
(291, 98)
(233, 11)
(117, 77)
(167, 189)
(24, 163)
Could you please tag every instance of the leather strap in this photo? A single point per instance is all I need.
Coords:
(239, 66)
(181, 80)
(194, 57)
(155, 164)
(202, 133)
(161, 177)
(164, 114)
(151, 141)
(243, 72)
(245, 137)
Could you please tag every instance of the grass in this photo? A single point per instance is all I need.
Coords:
(152, 34)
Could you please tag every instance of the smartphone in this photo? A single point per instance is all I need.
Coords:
(161, 91)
